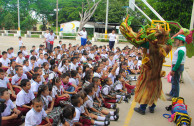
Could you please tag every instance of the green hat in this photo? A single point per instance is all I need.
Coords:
(180, 37)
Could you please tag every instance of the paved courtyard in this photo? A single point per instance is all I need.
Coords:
(127, 116)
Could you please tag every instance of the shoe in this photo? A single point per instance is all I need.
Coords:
(169, 99)
(120, 99)
(128, 96)
(138, 110)
(116, 117)
(107, 120)
(151, 110)
(168, 94)
(114, 106)
(116, 111)
(102, 104)
(132, 92)
(126, 100)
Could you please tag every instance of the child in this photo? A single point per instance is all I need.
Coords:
(24, 97)
(4, 82)
(45, 71)
(36, 114)
(25, 53)
(20, 59)
(11, 116)
(38, 70)
(40, 61)
(16, 79)
(33, 53)
(58, 91)
(135, 68)
(11, 71)
(27, 69)
(33, 63)
(68, 87)
(77, 102)
(74, 76)
(60, 55)
(54, 73)
(60, 44)
(64, 66)
(94, 108)
(88, 81)
(35, 83)
(20, 41)
(10, 55)
(5, 61)
(73, 64)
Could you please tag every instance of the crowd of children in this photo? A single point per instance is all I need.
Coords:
(66, 86)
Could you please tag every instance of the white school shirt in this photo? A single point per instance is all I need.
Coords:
(115, 58)
(112, 77)
(35, 64)
(7, 111)
(46, 36)
(34, 118)
(3, 83)
(97, 75)
(139, 63)
(91, 56)
(106, 89)
(26, 68)
(15, 79)
(117, 71)
(73, 81)
(20, 43)
(40, 61)
(97, 93)
(111, 63)
(25, 53)
(5, 62)
(56, 91)
(51, 37)
(20, 60)
(52, 75)
(34, 86)
(83, 59)
(42, 79)
(83, 34)
(11, 70)
(59, 56)
(89, 102)
(44, 72)
(78, 113)
(73, 66)
(59, 45)
(10, 55)
(104, 55)
(118, 86)
(112, 37)
(130, 63)
(63, 69)
(24, 98)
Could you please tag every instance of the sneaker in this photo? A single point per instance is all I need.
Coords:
(107, 120)
(119, 100)
(132, 92)
(138, 110)
(128, 96)
(116, 117)
(151, 110)
(168, 94)
(126, 100)
(116, 111)
(169, 99)
(114, 106)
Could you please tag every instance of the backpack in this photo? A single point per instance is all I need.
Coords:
(182, 119)
(176, 100)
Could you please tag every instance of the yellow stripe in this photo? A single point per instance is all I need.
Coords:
(130, 113)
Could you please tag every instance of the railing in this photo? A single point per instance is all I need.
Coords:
(15, 33)
(67, 35)
(35, 33)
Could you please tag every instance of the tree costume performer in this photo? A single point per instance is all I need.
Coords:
(177, 65)
(156, 45)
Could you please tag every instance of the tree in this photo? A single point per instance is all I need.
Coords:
(8, 21)
(87, 13)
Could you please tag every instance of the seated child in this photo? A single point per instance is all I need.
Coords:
(11, 115)
(38, 70)
(37, 114)
(54, 73)
(69, 88)
(94, 108)
(5, 61)
(10, 55)
(32, 62)
(20, 59)
(27, 69)
(135, 68)
(88, 81)
(78, 102)
(17, 78)
(40, 61)
(64, 66)
(45, 71)
(35, 83)
(58, 91)
(74, 76)
(11, 71)
(25, 97)
(4, 82)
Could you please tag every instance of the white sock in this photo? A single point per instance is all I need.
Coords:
(118, 96)
(112, 118)
(111, 106)
(98, 123)
(101, 118)
(111, 112)
(123, 97)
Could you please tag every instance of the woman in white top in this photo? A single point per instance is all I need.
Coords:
(112, 38)
(46, 39)
(84, 37)
(51, 38)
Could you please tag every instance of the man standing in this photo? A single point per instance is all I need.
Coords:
(46, 39)
(84, 37)
(51, 38)
(112, 38)
(177, 65)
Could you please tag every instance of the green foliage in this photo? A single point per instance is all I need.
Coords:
(8, 21)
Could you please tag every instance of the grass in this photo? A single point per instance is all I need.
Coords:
(35, 36)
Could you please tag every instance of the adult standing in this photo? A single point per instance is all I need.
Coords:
(46, 39)
(84, 36)
(51, 38)
(177, 65)
(112, 38)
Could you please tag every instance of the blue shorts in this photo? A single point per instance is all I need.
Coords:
(83, 41)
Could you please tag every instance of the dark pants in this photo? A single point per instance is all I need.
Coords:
(144, 106)
(51, 47)
(12, 122)
(111, 44)
(175, 82)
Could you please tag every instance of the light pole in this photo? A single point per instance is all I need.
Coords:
(57, 18)
(19, 32)
(106, 25)
(192, 18)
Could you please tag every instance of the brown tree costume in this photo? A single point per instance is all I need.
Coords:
(156, 45)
